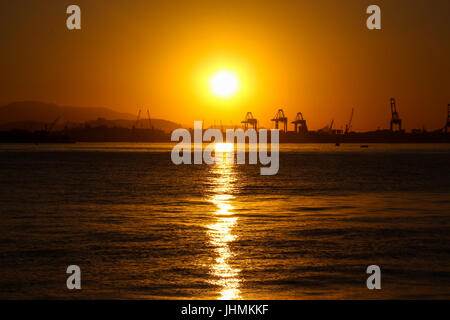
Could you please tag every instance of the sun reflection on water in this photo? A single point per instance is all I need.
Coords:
(221, 233)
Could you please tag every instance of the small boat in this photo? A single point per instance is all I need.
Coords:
(364, 146)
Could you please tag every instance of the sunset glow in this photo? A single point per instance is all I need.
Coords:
(224, 83)
(183, 152)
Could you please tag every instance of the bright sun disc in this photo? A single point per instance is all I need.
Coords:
(224, 84)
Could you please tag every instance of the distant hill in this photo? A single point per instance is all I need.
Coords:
(45, 112)
(32, 115)
(165, 125)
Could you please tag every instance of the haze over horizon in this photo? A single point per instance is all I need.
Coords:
(317, 58)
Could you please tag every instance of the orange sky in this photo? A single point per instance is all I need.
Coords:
(316, 57)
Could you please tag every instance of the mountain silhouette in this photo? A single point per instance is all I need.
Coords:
(46, 112)
(33, 115)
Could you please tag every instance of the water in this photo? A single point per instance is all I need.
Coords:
(140, 227)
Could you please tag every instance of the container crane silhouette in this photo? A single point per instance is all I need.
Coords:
(250, 121)
(395, 117)
(300, 124)
(280, 117)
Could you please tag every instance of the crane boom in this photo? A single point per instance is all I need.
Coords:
(137, 119)
(348, 126)
(50, 127)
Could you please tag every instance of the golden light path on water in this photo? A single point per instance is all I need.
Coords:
(221, 232)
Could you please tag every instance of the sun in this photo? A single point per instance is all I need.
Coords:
(224, 84)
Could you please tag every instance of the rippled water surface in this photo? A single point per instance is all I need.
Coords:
(140, 227)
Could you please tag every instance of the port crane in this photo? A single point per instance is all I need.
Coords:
(280, 117)
(49, 127)
(250, 120)
(137, 119)
(395, 117)
(348, 126)
(300, 124)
